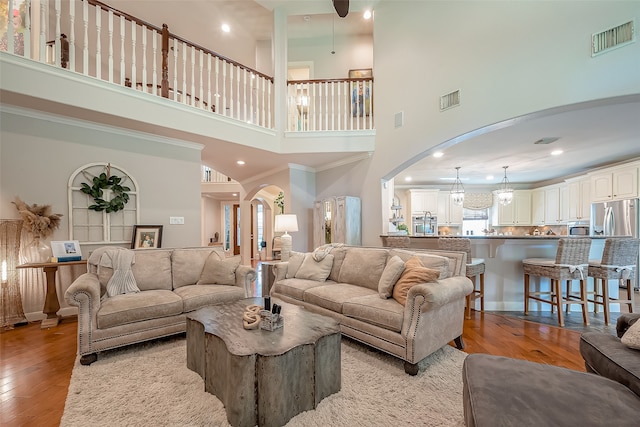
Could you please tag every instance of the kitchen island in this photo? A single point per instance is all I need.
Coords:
(504, 275)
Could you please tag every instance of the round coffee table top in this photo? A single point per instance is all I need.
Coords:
(300, 327)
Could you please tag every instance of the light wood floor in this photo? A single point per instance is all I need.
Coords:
(36, 364)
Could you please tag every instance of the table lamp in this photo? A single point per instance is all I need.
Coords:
(285, 223)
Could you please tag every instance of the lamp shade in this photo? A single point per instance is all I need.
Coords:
(286, 223)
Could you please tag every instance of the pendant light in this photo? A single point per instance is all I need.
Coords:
(457, 190)
(505, 192)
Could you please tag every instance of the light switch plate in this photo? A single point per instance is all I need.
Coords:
(176, 220)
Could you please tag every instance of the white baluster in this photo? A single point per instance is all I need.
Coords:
(27, 33)
(72, 35)
(339, 112)
(57, 39)
(110, 46)
(238, 81)
(98, 42)
(175, 69)
(43, 30)
(134, 69)
(144, 57)
(269, 104)
(231, 86)
(184, 73)
(263, 107)
(10, 29)
(326, 106)
(201, 91)
(244, 98)
(223, 111)
(85, 36)
(122, 64)
(209, 81)
(154, 66)
(193, 71)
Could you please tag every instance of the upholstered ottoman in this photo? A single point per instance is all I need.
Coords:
(499, 391)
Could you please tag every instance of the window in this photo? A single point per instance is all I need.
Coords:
(474, 221)
(90, 226)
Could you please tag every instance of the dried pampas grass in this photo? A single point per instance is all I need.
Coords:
(38, 219)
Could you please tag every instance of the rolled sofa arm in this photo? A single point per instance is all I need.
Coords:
(625, 321)
(84, 293)
(245, 276)
(280, 270)
(441, 292)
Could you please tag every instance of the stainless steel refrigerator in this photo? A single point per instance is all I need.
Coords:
(617, 218)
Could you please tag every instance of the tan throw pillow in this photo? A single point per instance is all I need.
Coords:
(631, 337)
(315, 270)
(219, 272)
(390, 275)
(414, 273)
(295, 261)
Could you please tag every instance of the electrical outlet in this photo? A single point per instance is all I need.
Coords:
(176, 220)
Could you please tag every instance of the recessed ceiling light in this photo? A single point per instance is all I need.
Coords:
(556, 152)
(226, 28)
(240, 162)
(408, 179)
(438, 154)
(489, 177)
(234, 194)
(366, 14)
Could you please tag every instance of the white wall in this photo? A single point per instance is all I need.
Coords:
(507, 58)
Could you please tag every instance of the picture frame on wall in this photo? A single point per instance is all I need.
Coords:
(362, 73)
(146, 236)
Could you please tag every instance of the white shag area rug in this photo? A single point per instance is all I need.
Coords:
(149, 384)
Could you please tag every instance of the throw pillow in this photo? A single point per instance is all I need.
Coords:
(315, 270)
(219, 272)
(390, 275)
(631, 338)
(414, 273)
(295, 261)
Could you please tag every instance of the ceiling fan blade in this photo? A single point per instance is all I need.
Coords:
(342, 7)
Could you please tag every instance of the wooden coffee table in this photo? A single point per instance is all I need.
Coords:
(264, 378)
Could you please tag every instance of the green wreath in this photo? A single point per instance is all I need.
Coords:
(103, 182)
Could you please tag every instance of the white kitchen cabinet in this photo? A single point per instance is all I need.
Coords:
(421, 201)
(556, 204)
(537, 207)
(337, 220)
(580, 199)
(449, 213)
(518, 212)
(615, 184)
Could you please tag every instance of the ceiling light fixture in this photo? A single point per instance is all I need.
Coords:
(438, 154)
(367, 14)
(408, 179)
(505, 192)
(226, 28)
(556, 152)
(240, 162)
(457, 190)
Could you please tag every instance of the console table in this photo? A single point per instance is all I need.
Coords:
(51, 303)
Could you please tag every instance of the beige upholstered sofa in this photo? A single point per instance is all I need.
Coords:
(171, 283)
(353, 285)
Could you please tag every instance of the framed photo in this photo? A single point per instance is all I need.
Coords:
(68, 250)
(146, 236)
(363, 73)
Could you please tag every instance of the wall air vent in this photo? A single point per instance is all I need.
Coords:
(612, 38)
(398, 119)
(450, 100)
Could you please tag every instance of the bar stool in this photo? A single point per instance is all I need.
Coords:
(475, 268)
(618, 262)
(398, 241)
(571, 263)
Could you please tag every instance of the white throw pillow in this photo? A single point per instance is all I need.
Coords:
(315, 270)
(219, 272)
(390, 275)
(295, 261)
(631, 338)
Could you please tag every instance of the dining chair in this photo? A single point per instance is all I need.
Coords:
(571, 263)
(618, 262)
(475, 268)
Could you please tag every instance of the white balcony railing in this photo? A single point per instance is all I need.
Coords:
(330, 105)
(93, 39)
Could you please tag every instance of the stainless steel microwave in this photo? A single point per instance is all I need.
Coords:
(578, 230)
